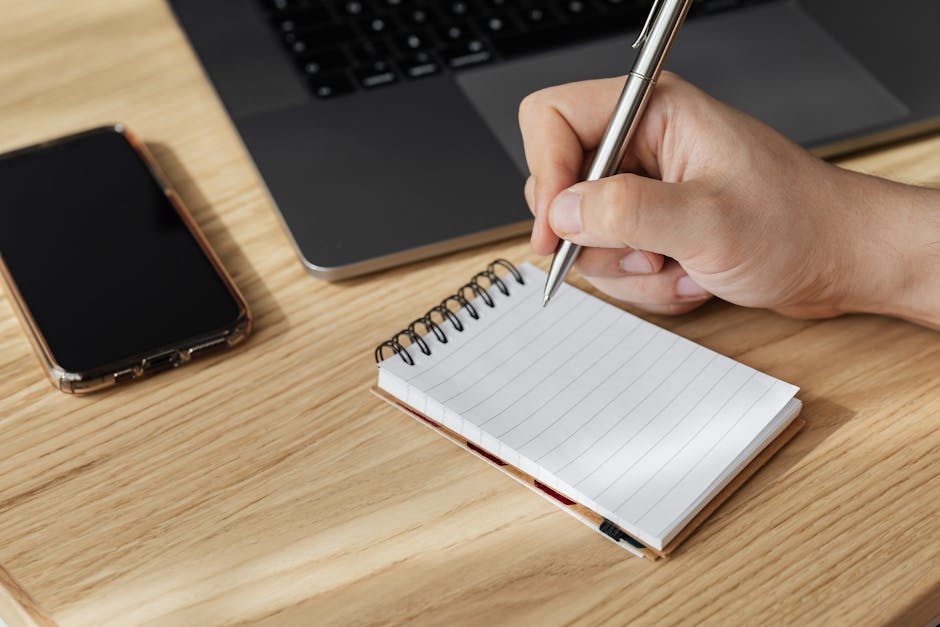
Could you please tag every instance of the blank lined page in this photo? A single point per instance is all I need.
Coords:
(637, 423)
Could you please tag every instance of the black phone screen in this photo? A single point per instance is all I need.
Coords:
(101, 258)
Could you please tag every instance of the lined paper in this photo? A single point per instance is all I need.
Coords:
(637, 423)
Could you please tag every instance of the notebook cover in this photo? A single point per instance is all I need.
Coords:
(584, 514)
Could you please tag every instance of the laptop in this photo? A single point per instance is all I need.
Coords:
(386, 130)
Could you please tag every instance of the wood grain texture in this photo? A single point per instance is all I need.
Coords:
(269, 486)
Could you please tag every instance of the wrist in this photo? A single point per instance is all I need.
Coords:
(893, 265)
(917, 297)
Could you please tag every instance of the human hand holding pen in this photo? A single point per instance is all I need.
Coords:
(712, 201)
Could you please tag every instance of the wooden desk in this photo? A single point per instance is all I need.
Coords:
(268, 485)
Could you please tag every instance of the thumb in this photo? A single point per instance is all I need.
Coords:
(631, 211)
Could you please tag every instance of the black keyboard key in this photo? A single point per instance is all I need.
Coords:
(277, 5)
(373, 26)
(296, 45)
(535, 16)
(413, 41)
(417, 16)
(457, 8)
(632, 10)
(323, 60)
(332, 84)
(300, 23)
(453, 32)
(311, 39)
(532, 41)
(376, 74)
(614, 22)
(419, 65)
(496, 24)
(369, 50)
(470, 53)
(287, 25)
(556, 35)
(577, 8)
(353, 8)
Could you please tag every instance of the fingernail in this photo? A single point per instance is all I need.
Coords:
(536, 230)
(636, 263)
(565, 212)
(687, 288)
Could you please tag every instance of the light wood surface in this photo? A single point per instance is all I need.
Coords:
(269, 486)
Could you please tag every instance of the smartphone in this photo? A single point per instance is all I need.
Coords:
(105, 267)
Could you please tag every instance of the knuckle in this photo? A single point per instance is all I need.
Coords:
(676, 94)
(525, 108)
(668, 78)
(672, 81)
(669, 83)
(528, 192)
(532, 104)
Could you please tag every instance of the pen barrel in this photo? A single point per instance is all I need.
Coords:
(610, 152)
(656, 44)
(657, 37)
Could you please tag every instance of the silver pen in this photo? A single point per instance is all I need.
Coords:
(654, 43)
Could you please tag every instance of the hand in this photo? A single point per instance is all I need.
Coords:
(712, 202)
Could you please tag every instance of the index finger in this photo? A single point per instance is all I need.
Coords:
(559, 125)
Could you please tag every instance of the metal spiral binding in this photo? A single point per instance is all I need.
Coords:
(427, 324)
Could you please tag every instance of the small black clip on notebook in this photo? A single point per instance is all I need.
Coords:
(619, 534)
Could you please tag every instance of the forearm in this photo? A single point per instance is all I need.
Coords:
(897, 252)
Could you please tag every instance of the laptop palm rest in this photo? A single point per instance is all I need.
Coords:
(773, 61)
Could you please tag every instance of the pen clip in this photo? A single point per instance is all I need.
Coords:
(648, 26)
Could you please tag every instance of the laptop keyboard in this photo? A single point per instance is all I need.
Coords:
(349, 46)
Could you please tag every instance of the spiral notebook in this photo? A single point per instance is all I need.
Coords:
(630, 428)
